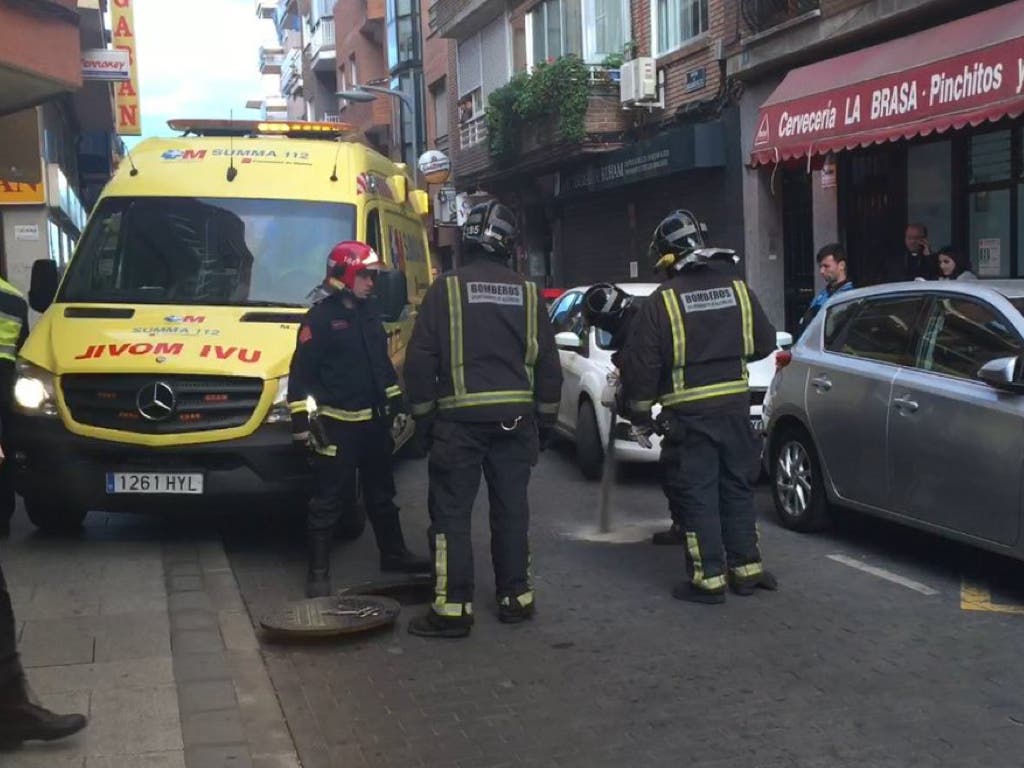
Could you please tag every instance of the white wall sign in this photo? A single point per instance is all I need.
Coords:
(989, 257)
(106, 64)
(26, 231)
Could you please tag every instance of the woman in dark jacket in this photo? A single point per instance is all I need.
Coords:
(954, 265)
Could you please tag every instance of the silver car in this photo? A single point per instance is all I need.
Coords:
(906, 401)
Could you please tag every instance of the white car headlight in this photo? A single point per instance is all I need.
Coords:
(279, 408)
(34, 390)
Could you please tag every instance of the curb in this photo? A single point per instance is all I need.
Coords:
(230, 715)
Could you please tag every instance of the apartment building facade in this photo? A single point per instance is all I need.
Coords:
(57, 140)
(859, 116)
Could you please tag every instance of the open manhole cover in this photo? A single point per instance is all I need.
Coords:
(331, 616)
(407, 590)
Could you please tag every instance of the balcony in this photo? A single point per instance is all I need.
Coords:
(320, 45)
(762, 15)
(458, 19)
(291, 72)
(271, 59)
(473, 132)
(266, 9)
(373, 20)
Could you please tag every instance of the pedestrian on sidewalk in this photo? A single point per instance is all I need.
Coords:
(21, 719)
(13, 332)
(484, 384)
(831, 260)
(341, 361)
(688, 350)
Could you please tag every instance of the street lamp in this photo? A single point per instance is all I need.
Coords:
(366, 93)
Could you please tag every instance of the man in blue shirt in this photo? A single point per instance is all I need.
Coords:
(832, 268)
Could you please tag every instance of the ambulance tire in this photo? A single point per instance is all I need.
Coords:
(589, 450)
(54, 515)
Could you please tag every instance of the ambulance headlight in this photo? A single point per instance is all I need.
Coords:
(279, 408)
(34, 390)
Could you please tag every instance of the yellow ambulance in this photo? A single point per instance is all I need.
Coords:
(157, 375)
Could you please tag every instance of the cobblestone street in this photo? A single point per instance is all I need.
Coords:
(839, 668)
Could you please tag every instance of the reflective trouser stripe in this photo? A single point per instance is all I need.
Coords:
(441, 605)
(735, 387)
(531, 331)
(455, 336)
(298, 407)
(675, 317)
(485, 398)
(698, 578)
(393, 391)
(748, 318)
(366, 414)
(422, 409)
(748, 570)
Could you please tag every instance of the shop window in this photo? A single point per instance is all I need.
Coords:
(990, 157)
(990, 232)
(995, 213)
(675, 22)
(930, 189)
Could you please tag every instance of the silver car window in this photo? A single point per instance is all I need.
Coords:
(962, 335)
(885, 329)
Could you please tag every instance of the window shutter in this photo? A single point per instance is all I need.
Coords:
(494, 40)
(469, 65)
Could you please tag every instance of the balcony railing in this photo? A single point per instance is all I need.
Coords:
(291, 71)
(271, 60)
(762, 15)
(321, 37)
(266, 9)
(473, 132)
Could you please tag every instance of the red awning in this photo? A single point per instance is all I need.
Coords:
(961, 73)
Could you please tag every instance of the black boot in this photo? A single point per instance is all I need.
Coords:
(686, 591)
(747, 587)
(318, 579)
(511, 611)
(673, 537)
(404, 561)
(432, 625)
(23, 720)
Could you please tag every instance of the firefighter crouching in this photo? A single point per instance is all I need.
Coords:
(341, 361)
(484, 383)
(688, 350)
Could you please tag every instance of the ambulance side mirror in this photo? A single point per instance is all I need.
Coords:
(43, 287)
(392, 293)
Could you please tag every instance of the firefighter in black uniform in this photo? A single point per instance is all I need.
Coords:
(484, 383)
(688, 350)
(13, 332)
(341, 362)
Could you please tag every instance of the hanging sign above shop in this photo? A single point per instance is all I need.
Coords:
(106, 64)
(958, 74)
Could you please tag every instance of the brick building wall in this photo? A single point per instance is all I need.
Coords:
(42, 46)
(359, 32)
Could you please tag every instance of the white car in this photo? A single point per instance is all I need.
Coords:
(586, 364)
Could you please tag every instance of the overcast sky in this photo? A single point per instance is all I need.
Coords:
(197, 58)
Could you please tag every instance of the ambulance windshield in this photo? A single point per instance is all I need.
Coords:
(207, 251)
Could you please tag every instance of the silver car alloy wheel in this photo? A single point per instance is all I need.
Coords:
(793, 479)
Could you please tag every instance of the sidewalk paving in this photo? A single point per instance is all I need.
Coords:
(142, 629)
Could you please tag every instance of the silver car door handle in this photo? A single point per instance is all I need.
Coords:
(905, 404)
(821, 383)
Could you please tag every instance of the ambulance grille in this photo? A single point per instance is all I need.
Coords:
(165, 405)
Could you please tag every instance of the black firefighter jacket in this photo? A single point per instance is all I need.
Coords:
(690, 343)
(483, 348)
(341, 360)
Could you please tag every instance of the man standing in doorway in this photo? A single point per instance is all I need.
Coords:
(832, 268)
(916, 262)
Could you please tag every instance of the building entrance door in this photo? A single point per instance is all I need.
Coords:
(873, 209)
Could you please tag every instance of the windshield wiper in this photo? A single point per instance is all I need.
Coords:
(270, 304)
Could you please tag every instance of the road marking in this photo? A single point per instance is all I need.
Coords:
(881, 573)
(978, 598)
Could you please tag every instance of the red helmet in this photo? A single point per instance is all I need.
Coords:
(347, 259)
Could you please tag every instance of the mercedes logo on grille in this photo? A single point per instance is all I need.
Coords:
(156, 401)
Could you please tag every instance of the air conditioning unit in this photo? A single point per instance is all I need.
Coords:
(639, 83)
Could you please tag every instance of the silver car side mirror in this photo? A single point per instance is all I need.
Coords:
(567, 340)
(1002, 374)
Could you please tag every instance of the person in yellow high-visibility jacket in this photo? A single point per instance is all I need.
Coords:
(13, 332)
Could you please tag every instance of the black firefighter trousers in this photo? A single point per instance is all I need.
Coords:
(708, 469)
(10, 666)
(459, 451)
(362, 454)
